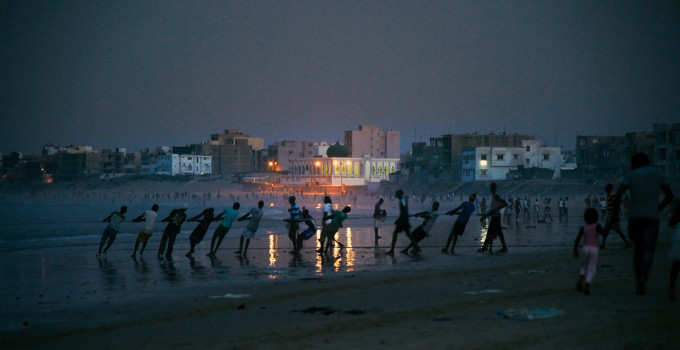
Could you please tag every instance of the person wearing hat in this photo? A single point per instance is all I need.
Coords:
(175, 221)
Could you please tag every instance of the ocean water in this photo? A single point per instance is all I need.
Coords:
(48, 258)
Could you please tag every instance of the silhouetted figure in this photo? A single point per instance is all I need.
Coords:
(402, 223)
(293, 223)
(149, 218)
(645, 184)
(175, 220)
(423, 230)
(112, 229)
(613, 218)
(495, 229)
(378, 217)
(205, 218)
(228, 217)
(464, 211)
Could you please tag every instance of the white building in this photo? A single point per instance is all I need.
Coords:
(185, 164)
(340, 171)
(494, 163)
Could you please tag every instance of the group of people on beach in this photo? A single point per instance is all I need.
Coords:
(175, 220)
(645, 184)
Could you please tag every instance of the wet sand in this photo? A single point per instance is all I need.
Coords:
(58, 294)
(64, 297)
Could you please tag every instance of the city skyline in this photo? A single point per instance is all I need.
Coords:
(137, 75)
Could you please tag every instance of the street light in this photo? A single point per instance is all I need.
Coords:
(317, 164)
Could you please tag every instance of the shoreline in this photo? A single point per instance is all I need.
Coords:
(438, 306)
(58, 294)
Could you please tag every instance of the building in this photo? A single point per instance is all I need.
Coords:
(425, 162)
(148, 158)
(231, 137)
(602, 157)
(229, 158)
(184, 164)
(112, 163)
(75, 162)
(370, 141)
(640, 142)
(453, 146)
(339, 169)
(281, 154)
(232, 152)
(321, 148)
(666, 156)
(495, 163)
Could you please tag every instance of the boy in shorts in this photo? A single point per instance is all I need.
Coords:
(254, 215)
(464, 211)
(423, 230)
(149, 218)
(112, 229)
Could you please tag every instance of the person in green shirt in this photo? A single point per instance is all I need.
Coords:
(328, 232)
(112, 229)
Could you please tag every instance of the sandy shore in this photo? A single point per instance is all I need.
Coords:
(56, 294)
(436, 301)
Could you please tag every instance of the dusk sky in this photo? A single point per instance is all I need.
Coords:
(137, 74)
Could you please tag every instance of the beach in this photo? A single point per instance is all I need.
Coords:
(58, 294)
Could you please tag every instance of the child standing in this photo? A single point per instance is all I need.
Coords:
(590, 249)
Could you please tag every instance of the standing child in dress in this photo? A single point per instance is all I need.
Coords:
(590, 233)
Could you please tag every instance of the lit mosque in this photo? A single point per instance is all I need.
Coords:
(338, 169)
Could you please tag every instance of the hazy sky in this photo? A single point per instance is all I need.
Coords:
(148, 73)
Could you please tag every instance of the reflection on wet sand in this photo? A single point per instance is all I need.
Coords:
(350, 251)
(170, 272)
(269, 257)
(109, 272)
(482, 234)
(273, 244)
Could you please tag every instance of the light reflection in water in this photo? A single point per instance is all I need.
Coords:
(319, 257)
(273, 242)
(350, 251)
(482, 236)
